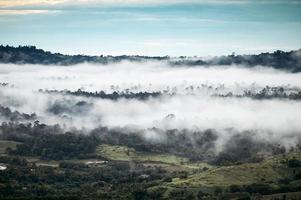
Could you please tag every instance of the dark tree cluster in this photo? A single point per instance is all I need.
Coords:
(48, 142)
(26, 132)
(267, 93)
(9, 115)
(243, 148)
(58, 146)
(32, 55)
(290, 61)
(66, 106)
(103, 95)
(4, 84)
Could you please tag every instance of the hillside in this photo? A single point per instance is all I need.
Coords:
(127, 173)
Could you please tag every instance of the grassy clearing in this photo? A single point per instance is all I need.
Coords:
(4, 144)
(238, 175)
(123, 153)
(270, 171)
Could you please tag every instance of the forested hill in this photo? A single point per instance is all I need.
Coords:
(31, 55)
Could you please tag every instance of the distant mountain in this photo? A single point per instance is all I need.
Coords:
(290, 61)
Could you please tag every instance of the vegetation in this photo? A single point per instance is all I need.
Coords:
(6, 113)
(123, 153)
(264, 93)
(278, 59)
(267, 93)
(6, 144)
(271, 176)
(31, 55)
(113, 96)
(47, 163)
(129, 179)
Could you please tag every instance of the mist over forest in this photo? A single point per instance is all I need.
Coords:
(147, 95)
(220, 114)
(150, 100)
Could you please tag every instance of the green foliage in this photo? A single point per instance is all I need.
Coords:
(5, 144)
(294, 163)
(57, 146)
(44, 162)
(32, 55)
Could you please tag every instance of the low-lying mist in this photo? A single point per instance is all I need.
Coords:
(140, 76)
(186, 102)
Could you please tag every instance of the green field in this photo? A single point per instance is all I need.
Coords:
(123, 153)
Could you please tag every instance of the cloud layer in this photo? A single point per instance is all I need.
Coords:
(192, 107)
(273, 118)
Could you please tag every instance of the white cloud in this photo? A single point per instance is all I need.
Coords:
(12, 3)
(25, 12)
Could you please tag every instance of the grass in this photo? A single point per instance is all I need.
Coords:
(123, 153)
(270, 171)
(4, 144)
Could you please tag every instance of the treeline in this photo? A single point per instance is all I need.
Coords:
(52, 142)
(279, 60)
(264, 93)
(31, 55)
(103, 95)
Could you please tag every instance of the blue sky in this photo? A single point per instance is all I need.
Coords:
(152, 27)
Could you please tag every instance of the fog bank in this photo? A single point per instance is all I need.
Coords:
(272, 119)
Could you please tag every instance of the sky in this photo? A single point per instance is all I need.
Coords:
(152, 27)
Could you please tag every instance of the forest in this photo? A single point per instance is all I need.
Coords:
(31, 55)
(136, 127)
